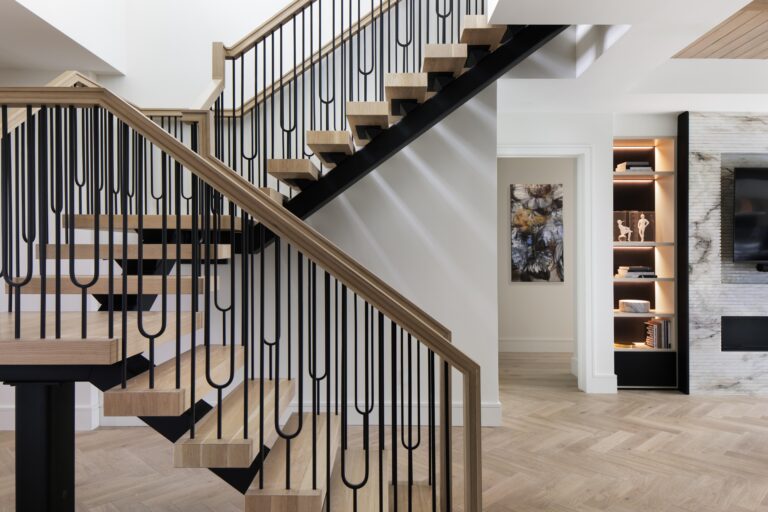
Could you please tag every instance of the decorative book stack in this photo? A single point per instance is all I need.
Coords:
(636, 272)
(634, 167)
(658, 333)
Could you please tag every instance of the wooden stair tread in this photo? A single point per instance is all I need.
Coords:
(476, 31)
(232, 450)
(151, 285)
(273, 194)
(274, 497)
(342, 497)
(365, 114)
(97, 349)
(405, 86)
(295, 172)
(136, 399)
(149, 222)
(420, 500)
(328, 145)
(444, 58)
(150, 251)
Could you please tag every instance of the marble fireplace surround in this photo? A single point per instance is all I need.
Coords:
(720, 142)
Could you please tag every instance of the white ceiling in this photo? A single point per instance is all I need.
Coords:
(27, 42)
(637, 73)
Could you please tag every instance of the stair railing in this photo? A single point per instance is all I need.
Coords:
(298, 71)
(294, 309)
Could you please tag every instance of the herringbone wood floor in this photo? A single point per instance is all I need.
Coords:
(558, 451)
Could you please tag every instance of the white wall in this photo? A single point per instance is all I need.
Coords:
(590, 137)
(97, 25)
(169, 55)
(536, 317)
(425, 222)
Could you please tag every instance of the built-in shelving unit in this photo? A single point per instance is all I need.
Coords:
(642, 361)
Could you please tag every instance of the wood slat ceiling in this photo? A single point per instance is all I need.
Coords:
(742, 36)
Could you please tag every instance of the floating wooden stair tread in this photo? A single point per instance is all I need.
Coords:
(405, 86)
(366, 118)
(476, 31)
(151, 285)
(420, 497)
(150, 251)
(297, 173)
(274, 497)
(71, 349)
(330, 146)
(444, 58)
(149, 222)
(273, 194)
(342, 497)
(165, 399)
(231, 449)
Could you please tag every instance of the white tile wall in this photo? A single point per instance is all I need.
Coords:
(717, 286)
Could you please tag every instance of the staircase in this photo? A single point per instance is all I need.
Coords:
(311, 136)
(160, 255)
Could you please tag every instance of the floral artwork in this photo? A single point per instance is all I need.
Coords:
(536, 222)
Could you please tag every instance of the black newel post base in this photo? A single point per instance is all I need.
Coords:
(45, 447)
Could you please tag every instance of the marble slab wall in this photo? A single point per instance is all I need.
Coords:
(719, 142)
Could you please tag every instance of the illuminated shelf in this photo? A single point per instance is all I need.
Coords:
(643, 244)
(641, 348)
(652, 314)
(644, 175)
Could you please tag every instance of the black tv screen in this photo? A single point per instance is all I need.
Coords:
(750, 215)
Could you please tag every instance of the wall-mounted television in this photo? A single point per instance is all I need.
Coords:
(750, 214)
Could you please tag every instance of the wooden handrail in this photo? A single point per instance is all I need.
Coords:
(266, 28)
(66, 79)
(221, 52)
(316, 247)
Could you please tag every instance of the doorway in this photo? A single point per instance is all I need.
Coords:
(537, 269)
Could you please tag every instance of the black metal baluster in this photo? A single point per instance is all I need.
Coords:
(42, 205)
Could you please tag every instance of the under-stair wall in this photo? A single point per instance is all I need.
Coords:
(426, 222)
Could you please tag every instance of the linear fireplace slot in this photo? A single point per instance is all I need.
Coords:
(744, 334)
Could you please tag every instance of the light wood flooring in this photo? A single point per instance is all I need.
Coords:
(558, 451)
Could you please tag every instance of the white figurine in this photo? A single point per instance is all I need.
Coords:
(641, 225)
(625, 234)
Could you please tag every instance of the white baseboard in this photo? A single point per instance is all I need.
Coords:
(121, 421)
(601, 384)
(86, 417)
(490, 414)
(536, 345)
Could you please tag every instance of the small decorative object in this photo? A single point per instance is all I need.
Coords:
(634, 306)
(621, 230)
(635, 272)
(644, 223)
(641, 225)
(536, 227)
(630, 167)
